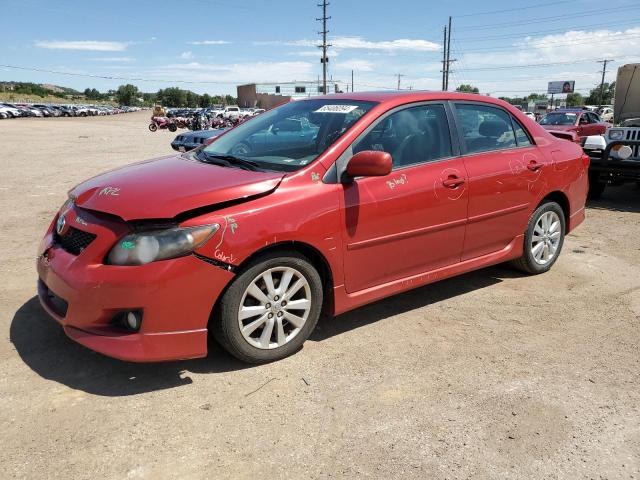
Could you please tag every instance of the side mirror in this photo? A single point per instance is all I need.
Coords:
(370, 163)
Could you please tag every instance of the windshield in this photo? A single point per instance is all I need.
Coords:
(290, 136)
(559, 119)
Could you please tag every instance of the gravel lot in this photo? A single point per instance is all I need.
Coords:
(488, 375)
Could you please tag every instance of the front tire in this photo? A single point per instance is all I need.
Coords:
(172, 127)
(153, 127)
(270, 309)
(543, 239)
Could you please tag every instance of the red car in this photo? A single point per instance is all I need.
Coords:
(318, 205)
(582, 122)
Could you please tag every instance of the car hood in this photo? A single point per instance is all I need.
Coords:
(564, 128)
(168, 186)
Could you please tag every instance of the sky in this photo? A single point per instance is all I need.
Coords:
(505, 48)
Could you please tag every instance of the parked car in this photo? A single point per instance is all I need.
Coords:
(394, 193)
(606, 114)
(583, 122)
(231, 112)
(190, 140)
(10, 111)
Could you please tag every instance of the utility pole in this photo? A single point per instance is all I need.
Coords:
(399, 76)
(444, 58)
(448, 60)
(324, 60)
(604, 71)
(352, 90)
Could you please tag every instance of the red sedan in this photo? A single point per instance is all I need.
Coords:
(323, 204)
(581, 122)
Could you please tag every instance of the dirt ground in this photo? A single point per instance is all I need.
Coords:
(488, 375)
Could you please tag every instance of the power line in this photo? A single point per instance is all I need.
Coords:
(554, 44)
(553, 18)
(131, 79)
(540, 5)
(531, 65)
(549, 31)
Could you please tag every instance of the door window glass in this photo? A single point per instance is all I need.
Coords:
(522, 139)
(412, 135)
(485, 128)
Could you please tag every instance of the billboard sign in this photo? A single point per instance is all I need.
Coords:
(563, 86)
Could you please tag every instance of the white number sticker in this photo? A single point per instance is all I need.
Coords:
(336, 109)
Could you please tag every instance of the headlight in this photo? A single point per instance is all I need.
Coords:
(66, 205)
(616, 134)
(144, 247)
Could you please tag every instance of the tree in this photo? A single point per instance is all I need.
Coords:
(575, 100)
(205, 100)
(467, 88)
(609, 91)
(127, 94)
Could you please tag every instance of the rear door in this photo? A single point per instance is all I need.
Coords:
(413, 220)
(506, 174)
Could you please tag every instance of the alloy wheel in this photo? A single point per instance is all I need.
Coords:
(274, 307)
(546, 238)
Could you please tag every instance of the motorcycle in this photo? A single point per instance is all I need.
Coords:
(162, 123)
(199, 122)
(182, 122)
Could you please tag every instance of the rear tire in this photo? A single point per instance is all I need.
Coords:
(596, 187)
(269, 327)
(543, 239)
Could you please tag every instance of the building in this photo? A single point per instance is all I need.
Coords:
(268, 95)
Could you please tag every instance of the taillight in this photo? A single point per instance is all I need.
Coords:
(586, 160)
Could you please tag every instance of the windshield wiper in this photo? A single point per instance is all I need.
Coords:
(233, 160)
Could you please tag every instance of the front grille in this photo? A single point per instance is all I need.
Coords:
(74, 241)
(633, 134)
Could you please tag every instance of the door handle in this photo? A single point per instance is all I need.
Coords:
(453, 182)
(534, 166)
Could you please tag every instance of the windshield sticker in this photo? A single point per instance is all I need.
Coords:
(336, 109)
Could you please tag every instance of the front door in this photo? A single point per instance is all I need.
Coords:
(413, 220)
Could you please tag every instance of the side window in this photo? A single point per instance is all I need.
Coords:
(412, 135)
(485, 128)
(522, 139)
(594, 118)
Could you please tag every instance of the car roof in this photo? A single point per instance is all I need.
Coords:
(409, 96)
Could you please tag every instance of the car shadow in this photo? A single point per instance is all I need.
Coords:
(43, 346)
(623, 198)
(411, 300)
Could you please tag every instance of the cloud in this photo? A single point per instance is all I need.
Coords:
(583, 46)
(112, 59)
(237, 73)
(82, 45)
(360, 43)
(209, 42)
(186, 55)
(354, 64)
